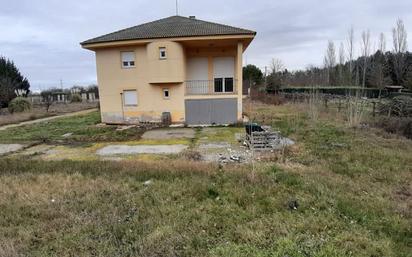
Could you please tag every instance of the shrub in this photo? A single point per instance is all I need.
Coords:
(400, 106)
(259, 94)
(396, 125)
(19, 104)
(76, 98)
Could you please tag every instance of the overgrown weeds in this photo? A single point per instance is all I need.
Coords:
(356, 111)
(349, 188)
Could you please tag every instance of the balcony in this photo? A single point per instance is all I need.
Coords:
(218, 86)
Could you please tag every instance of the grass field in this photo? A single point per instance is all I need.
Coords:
(352, 187)
(83, 129)
(38, 112)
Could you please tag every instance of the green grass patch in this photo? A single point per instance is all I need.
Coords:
(218, 134)
(83, 127)
(352, 189)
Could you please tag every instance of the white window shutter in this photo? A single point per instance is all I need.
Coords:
(224, 67)
(130, 97)
(128, 56)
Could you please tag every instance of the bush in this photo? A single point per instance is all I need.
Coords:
(396, 125)
(400, 106)
(19, 104)
(76, 98)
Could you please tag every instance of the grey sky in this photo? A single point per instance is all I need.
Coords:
(42, 37)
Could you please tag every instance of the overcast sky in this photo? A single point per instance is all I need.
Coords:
(42, 37)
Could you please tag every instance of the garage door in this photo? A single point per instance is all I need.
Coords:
(211, 111)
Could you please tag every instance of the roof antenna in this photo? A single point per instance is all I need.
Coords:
(177, 8)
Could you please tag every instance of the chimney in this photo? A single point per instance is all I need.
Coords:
(192, 17)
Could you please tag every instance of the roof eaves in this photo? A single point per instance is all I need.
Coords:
(89, 42)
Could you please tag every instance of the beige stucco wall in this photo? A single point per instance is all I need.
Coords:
(151, 75)
(169, 70)
(113, 79)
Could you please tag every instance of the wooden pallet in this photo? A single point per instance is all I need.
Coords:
(262, 140)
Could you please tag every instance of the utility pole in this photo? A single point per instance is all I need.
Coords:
(177, 7)
(266, 74)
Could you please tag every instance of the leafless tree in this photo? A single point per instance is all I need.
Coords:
(275, 79)
(276, 65)
(400, 46)
(365, 50)
(382, 43)
(350, 42)
(330, 60)
(342, 60)
(400, 36)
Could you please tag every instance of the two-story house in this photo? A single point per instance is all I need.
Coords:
(189, 68)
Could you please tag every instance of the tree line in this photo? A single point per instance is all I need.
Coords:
(373, 68)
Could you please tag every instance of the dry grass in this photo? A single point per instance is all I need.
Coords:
(38, 112)
(353, 189)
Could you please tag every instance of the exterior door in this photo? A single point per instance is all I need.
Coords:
(211, 111)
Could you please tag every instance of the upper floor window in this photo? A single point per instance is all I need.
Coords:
(223, 85)
(166, 94)
(162, 53)
(128, 59)
(224, 73)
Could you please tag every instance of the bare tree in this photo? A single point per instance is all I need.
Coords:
(350, 41)
(400, 36)
(382, 43)
(276, 65)
(274, 80)
(330, 60)
(399, 48)
(342, 60)
(365, 50)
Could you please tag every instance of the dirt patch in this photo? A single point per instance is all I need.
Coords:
(37, 150)
(9, 148)
(403, 200)
(140, 149)
(169, 133)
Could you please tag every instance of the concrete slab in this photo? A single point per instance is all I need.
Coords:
(215, 145)
(169, 133)
(37, 150)
(140, 149)
(9, 148)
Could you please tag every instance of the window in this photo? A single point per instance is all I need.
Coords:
(130, 98)
(162, 52)
(228, 84)
(223, 85)
(166, 93)
(218, 85)
(128, 59)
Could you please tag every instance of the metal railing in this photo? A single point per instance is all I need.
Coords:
(211, 87)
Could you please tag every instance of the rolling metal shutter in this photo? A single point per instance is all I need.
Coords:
(211, 111)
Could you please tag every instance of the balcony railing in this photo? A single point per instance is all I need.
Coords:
(217, 86)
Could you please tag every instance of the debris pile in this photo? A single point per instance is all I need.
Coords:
(264, 138)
